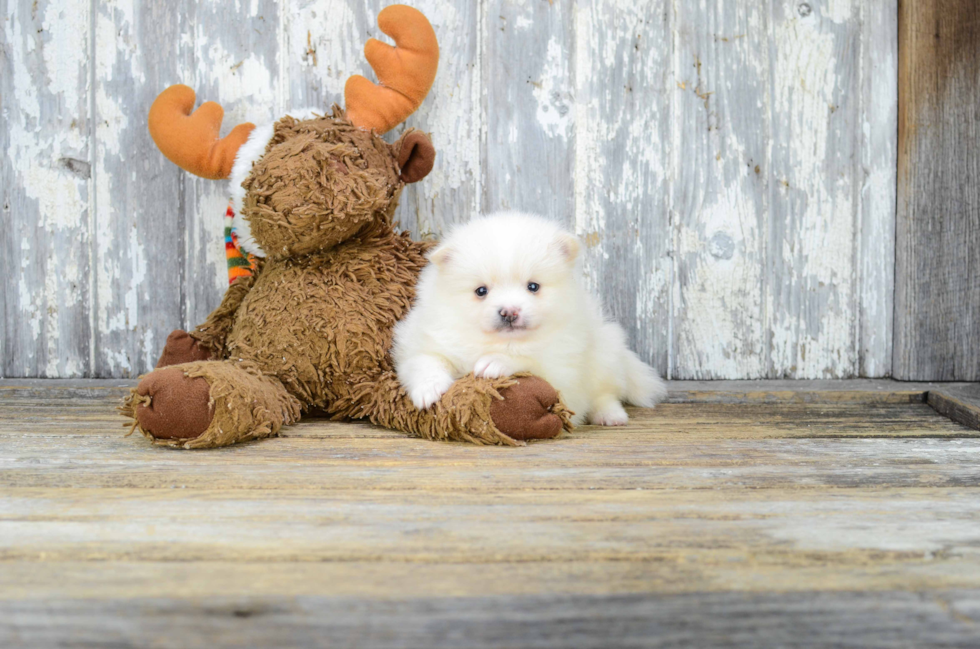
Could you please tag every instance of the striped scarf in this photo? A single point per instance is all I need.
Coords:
(240, 264)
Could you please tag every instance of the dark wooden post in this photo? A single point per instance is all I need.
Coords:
(937, 256)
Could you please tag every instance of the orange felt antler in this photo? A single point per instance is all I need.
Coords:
(191, 140)
(406, 71)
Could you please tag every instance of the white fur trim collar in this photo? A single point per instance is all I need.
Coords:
(247, 155)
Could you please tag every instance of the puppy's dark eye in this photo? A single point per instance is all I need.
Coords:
(482, 291)
(533, 287)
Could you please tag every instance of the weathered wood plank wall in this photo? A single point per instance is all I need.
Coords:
(937, 270)
(729, 164)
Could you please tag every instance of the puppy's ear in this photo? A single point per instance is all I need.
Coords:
(441, 255)
(567, 246)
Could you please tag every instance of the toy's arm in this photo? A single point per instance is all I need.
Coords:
(213, 332)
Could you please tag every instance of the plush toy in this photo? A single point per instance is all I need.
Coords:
(311, 328)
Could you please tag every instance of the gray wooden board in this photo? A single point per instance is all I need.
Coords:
(639, 125)
(937, 269)
(622, 157)
(814, 126)
(140, 231)
(830, 517)
(47, 226)
(877, 193)
(79, 461)
(529, 73)
(453, 115)
(817, 619)
(720, 200)
(960, 403)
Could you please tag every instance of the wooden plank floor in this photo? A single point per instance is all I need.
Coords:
(739, 514)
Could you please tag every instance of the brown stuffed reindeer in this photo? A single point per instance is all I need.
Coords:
(312, 328)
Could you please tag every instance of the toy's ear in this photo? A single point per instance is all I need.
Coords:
(441, 255)
(567, 245)
(416, 155)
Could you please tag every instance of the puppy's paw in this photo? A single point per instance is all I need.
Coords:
(494, 366)
(429, 390)
(610, 414)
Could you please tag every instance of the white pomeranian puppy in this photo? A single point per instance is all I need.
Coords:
(503, 295)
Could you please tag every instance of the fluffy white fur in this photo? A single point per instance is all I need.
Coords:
(557, 332)
(247, 155)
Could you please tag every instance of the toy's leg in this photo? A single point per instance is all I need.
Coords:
(482, 411)
(181, 347)
(210, 403)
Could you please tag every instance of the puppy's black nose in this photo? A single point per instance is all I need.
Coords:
(509, 315)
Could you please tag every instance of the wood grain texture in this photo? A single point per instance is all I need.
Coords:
(877, 193)
(192, 583)
(811, 619)
(453, 115)
(695, 446)
(720, 202)
(858, 527)
(622, 156)
(815, 126)
(830, 523)
(730, 166)
(139, 237)
(959, 403)
(528, 61)
(46, 151)
(937, 269)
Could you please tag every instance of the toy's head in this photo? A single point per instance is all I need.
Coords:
(310, 181)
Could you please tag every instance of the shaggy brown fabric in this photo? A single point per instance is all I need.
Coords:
(320, 182)
(181, 347)
(179, 407)
(312, 328)
(213, 333)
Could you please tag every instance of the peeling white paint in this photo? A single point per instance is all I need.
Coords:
(839, 11)
(613, 91)
(587, 212)
(621, 172)
(330, 28)
(46, 47)
(65, 35)
(116, 41)
(812, 332)
(447, 113)
(554, 111)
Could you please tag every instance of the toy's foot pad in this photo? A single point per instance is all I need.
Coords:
(526, 411)
(181, 347)
(179, 407)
